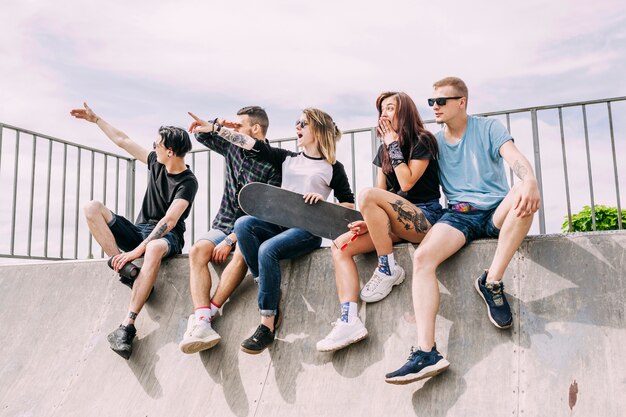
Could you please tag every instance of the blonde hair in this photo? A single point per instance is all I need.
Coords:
(458, 84)
(325, 132)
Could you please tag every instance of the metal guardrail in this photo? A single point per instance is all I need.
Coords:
(41, 186)
(41, 202)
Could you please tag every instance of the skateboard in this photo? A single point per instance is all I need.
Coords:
(288, 209)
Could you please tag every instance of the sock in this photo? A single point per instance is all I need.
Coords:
(386, 263)
(348, 311)
(214, 309)
(203, 313)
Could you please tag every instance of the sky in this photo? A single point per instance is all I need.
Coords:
(143, 64)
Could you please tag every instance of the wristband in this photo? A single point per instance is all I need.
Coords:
(213, 123)
(395, 154)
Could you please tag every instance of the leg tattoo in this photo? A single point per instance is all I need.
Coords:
(410, 217)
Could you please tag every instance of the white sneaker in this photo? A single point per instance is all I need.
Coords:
(342, 335)
(380, 285)
(199, 336)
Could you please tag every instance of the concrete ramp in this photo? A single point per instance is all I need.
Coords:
(564, 355)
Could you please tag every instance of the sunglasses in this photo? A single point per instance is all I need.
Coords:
(441, 101)
(301, 123)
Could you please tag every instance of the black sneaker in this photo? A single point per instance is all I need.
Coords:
(498, 308)
(260, 340)
(121, 340)
(420, 365)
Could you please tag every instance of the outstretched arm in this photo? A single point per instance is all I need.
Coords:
(201, 126)
(117, 136)
(164, 225)
(528, 199)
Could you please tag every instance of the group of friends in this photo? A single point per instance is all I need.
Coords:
(465, 159)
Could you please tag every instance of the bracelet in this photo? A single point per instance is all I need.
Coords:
(213, 123)
(219, 127)
(395, 154)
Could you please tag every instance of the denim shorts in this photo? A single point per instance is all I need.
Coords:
(473, 224)
(129, 235)
(432, 210)
(214, 236)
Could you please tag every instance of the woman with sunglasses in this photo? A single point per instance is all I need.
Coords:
(403, 206)
(313, 172)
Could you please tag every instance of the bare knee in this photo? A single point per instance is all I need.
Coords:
(200, 252)
(156, 249)
(367, 196)
(93, 209)
(422, 263)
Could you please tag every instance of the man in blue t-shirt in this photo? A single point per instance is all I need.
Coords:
(472, 174)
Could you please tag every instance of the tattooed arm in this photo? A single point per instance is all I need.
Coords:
(201, 126)
(164, 225)
(527, 198)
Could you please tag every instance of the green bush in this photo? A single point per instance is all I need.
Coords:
(606, 219)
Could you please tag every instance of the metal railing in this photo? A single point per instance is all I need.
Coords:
(576, 165)
(45, 183)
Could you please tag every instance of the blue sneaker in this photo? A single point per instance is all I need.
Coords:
(498, 308)
(420, 365)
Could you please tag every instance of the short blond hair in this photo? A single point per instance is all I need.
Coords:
(460, 89)
(325, 131)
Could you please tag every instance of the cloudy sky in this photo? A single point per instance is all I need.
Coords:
(143, 64)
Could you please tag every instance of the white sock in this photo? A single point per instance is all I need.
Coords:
(214, 309)
(349, 311)
(203, 314)
(392, 262)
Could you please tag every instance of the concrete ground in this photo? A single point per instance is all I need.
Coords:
(563, 356)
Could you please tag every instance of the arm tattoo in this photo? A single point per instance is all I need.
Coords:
(410, 217)
(519, 169)
(233, 137)
(157, 233)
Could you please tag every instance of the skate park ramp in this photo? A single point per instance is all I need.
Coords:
(564, 355)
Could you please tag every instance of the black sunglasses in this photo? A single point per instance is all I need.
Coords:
(301, 123)
(441, 101)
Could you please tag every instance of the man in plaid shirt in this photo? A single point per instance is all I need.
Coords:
(242, 167)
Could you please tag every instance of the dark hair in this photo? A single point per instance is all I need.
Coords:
(257, 115)
(410, 128)
(176, 139)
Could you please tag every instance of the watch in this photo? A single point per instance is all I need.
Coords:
(229, 241)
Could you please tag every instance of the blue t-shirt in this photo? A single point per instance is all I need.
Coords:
(472, 171)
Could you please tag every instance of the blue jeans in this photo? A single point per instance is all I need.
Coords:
(263, 245)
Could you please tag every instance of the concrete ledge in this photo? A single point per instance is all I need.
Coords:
(567, 293)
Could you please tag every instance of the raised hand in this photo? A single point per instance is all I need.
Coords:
(85, 113)
(386, 131)
(198, 125)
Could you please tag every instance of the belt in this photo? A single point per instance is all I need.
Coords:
(462, 207)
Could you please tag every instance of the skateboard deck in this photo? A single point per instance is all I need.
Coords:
(288, 209)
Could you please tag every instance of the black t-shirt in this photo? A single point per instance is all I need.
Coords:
(163, 189)
(426, 188)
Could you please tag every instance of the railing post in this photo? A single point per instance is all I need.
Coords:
(542, 215)
(130, 190)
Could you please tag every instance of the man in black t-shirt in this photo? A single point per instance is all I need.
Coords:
(158, 232)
